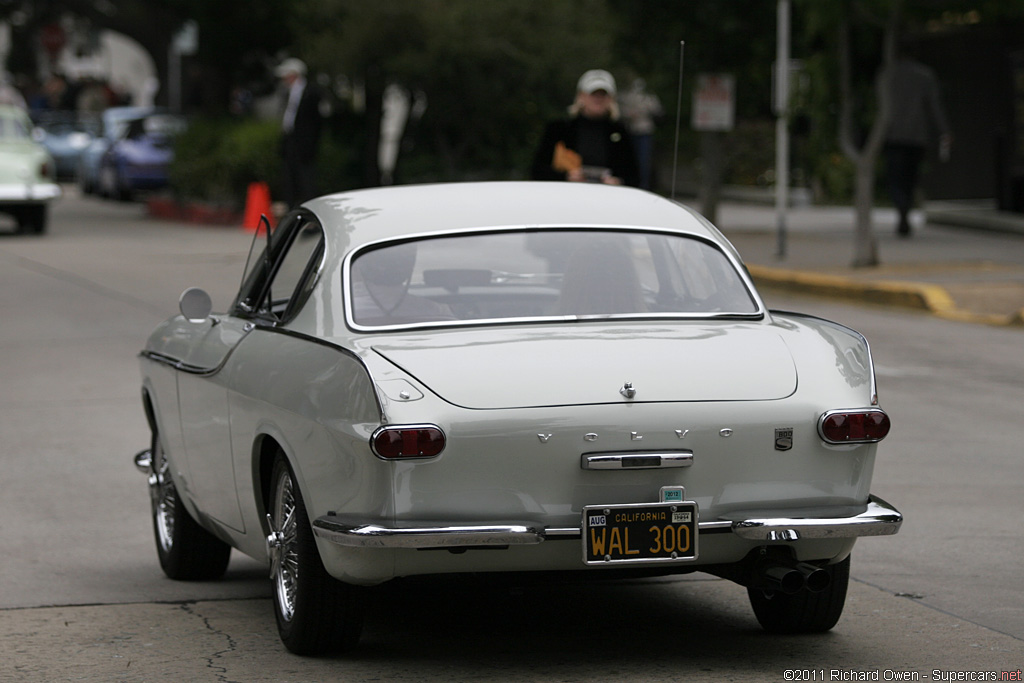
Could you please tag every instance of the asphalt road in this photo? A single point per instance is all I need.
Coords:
(83, 598)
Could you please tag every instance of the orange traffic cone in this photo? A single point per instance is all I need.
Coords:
(257, 203)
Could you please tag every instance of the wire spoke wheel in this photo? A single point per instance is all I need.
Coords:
(316, 613)
(285, 568)
(187, 551)
(164, 499)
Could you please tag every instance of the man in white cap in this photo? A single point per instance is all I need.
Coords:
(300, 132)
(592, 145)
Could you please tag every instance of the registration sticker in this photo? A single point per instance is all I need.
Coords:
(673, 494)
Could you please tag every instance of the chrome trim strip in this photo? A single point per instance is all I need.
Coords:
(879, 518)
(567, 534)
(181, 365)
(636, 460)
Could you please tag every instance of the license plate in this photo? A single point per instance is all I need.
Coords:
(646, 532)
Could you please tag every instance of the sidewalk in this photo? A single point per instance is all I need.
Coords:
(964, 261)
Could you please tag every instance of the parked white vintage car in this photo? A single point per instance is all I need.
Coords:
(28, 175)
(520, 377)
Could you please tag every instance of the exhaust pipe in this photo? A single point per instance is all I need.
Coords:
(779, 577)
(792, 577)
(816, 579)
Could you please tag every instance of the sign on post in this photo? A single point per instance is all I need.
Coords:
(714, 102)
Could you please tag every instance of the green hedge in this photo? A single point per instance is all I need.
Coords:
(215, 160)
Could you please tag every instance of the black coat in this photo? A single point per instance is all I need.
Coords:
(301, 143)
(620, 157)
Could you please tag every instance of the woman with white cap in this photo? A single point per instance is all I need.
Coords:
(592, 145)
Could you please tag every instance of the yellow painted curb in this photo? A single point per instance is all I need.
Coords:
(918, 295)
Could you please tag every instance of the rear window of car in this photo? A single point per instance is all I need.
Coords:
(543, 274)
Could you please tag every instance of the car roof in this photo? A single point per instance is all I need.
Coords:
(17, 125)
(363, 216)
(9, 111)
(115, 115)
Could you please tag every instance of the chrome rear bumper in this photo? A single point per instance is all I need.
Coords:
(876, 518)
(28, 193)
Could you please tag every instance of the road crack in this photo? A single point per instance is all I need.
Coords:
(221, 672)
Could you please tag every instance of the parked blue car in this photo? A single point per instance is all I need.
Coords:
(140, 158)
(113, 123)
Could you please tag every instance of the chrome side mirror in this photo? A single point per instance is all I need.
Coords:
(195, 305)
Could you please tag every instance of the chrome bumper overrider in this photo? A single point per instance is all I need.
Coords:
(877, 518)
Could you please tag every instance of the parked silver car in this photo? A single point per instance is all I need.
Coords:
(514, 377)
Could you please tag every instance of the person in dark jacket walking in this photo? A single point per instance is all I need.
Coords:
(592, 145)
(300, 132)
(916, 118)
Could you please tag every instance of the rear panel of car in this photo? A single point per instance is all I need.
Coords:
(747, 458)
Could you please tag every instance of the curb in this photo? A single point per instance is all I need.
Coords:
(200, 214)
(991, 220)
(915, 295)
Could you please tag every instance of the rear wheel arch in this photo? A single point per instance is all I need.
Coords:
(147, 407)
(265, 451)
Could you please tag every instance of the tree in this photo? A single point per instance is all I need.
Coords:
(850, 45)
(734, 37)
(865, 157)
(234, 35)
(492, 72)
(239, 43)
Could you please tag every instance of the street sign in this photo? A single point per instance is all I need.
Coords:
(714, 102)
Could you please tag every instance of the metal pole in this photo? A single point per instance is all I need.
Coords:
(679, 108)
(174, 77)
(782, 126)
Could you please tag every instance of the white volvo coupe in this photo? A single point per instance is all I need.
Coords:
(507, 377)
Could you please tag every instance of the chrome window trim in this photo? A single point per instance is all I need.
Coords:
(302, 219)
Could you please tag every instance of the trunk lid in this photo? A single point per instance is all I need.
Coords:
(574, 365)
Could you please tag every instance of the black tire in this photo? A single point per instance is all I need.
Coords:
(804, 611)
(36, 222)
(187, 551)
(31, 219)
(316, 614)
(85, 185)
(124, 193)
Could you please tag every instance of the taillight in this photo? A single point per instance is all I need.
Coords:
(854, 426)
(407, 441)
(46, 170)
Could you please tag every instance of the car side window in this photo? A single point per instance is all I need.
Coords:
(295, 267)
(274, 288)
